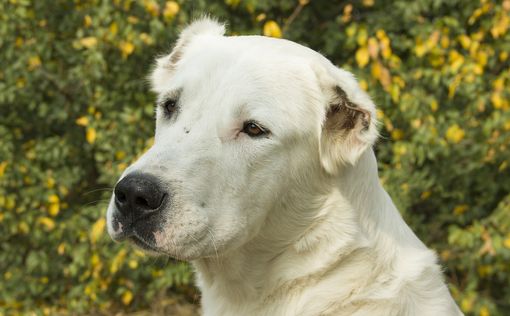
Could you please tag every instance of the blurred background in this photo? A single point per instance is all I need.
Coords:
(75, 110)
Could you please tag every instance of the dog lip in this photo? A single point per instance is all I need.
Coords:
(125, 234)
(140, 242)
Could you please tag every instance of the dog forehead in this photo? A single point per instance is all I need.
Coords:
(253, 60)
(261, 78)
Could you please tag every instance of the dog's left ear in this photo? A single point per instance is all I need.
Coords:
(166, 64)
(349, 125)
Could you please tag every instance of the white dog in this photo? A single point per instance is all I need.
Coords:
(263, 176)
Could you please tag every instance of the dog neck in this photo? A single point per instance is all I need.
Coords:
(378, 217)
(355, 223)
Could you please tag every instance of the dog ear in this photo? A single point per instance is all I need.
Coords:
(166, 64)
(349, 127)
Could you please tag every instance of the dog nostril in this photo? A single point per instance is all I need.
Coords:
(121, 197)
(140, 201)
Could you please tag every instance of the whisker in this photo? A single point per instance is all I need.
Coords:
(98, 189)
(214, 244)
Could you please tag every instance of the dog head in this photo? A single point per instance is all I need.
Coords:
(240, 122)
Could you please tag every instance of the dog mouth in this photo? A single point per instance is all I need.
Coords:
(143, 244)
(140, 232)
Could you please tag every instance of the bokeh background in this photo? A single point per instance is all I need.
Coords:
(75, 110)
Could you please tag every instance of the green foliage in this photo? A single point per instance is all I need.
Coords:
(75, 110)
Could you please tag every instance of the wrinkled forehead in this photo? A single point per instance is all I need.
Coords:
(248, 76)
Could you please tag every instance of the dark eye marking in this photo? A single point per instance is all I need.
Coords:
(254, 129)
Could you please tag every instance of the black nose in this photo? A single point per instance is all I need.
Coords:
(138, 194)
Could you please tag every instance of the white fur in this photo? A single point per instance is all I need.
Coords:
(295, 223)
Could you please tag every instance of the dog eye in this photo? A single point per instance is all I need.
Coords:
(253, 129)
(169, 106)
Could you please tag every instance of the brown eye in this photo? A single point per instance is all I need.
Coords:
(170, 106)
(252, 129)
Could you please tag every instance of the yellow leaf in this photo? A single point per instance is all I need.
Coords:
(362, 37)
(34, 62)
(496, 100)
(420, 49)
(19, 41)
(53, 198)
(456, 60)
(23, 228)
(126, 48)
(466, 304)
(445, 41)
(482, 58)
(90, 135)
(127, 297)
(47, 222)
(503, 56)
(272, 29)
(373, 47)
(452, 88)
(133, 264)
(506, 243)
(346, 16)
(455, 134)
(506, 5)
(94, 260)
(260, 17)
(397, 134)
(118, 261)
(97, 229)
(363, 84)
(146, 39)
(501, 26)
(89, 42)
(50, 183)
(61, 249)
(385, 47)
(171, 10)
(484, 311)
(20, 83)
(416, 123)
(395, 92)
(113, 29)
(10, 203)
(425, 195)
(152, 7)
(82, 121)
(460, 209)
(119, 155)
(362, 56)
(376, 70)
(54, 209)
(465, 41)
(434, 105)
(3, 166)
(87, 21)
(351, 30)
(121, 166)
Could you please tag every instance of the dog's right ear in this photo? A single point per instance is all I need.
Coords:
(166, 64)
